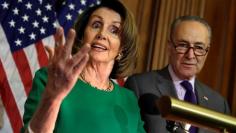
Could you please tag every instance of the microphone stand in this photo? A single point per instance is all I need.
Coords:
(177, 110)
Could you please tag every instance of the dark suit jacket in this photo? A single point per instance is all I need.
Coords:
(160, 83)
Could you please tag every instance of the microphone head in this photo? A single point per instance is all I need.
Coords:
(147, 104)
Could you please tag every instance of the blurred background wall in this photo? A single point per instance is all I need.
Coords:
(153, 19)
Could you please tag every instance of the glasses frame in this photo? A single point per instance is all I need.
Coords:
(189, 47)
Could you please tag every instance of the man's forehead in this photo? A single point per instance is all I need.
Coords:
(191, 31)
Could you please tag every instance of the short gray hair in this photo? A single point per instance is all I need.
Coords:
(190, 18)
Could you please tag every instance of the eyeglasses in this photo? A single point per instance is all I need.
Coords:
(184, 47)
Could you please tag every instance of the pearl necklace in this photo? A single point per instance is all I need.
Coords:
(109, 88)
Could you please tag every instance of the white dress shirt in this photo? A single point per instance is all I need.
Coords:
(180, 90)
(176, 81)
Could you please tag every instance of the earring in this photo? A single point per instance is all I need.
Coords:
(119, 56)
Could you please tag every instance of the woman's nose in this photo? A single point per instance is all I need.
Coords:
(100, 36)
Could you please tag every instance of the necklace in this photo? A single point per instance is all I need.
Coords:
(109, 88)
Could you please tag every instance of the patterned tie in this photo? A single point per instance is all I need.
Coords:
(189, 97)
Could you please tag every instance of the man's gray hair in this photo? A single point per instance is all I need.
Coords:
(190, 18)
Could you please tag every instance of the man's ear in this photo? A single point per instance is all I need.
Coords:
(169, 46)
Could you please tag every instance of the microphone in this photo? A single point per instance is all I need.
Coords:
(174, 109)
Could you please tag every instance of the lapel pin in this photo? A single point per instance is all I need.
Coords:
(206, 98)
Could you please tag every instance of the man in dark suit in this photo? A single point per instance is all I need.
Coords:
(188, 46)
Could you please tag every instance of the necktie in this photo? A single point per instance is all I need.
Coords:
(189, 97)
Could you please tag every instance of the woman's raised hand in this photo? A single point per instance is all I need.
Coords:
(64, 68)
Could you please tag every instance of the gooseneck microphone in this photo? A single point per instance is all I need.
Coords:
(181, 111)
(176, 111)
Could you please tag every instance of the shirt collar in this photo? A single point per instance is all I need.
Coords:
(176, 80)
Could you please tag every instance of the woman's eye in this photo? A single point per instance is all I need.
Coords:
(96, 24)
(114, 30)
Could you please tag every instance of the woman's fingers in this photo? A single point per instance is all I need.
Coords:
(81, 57)
(69, 43)
(61, 57)
(64, 68)
(58, 45)
(50, 52)
(59, 37)
(80, 66)
(63, 48)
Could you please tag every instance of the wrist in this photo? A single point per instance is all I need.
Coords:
(50, 95)
(29, 130)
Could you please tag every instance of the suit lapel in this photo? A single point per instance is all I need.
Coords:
(166, 85)
(201, 95)
(202, 99)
